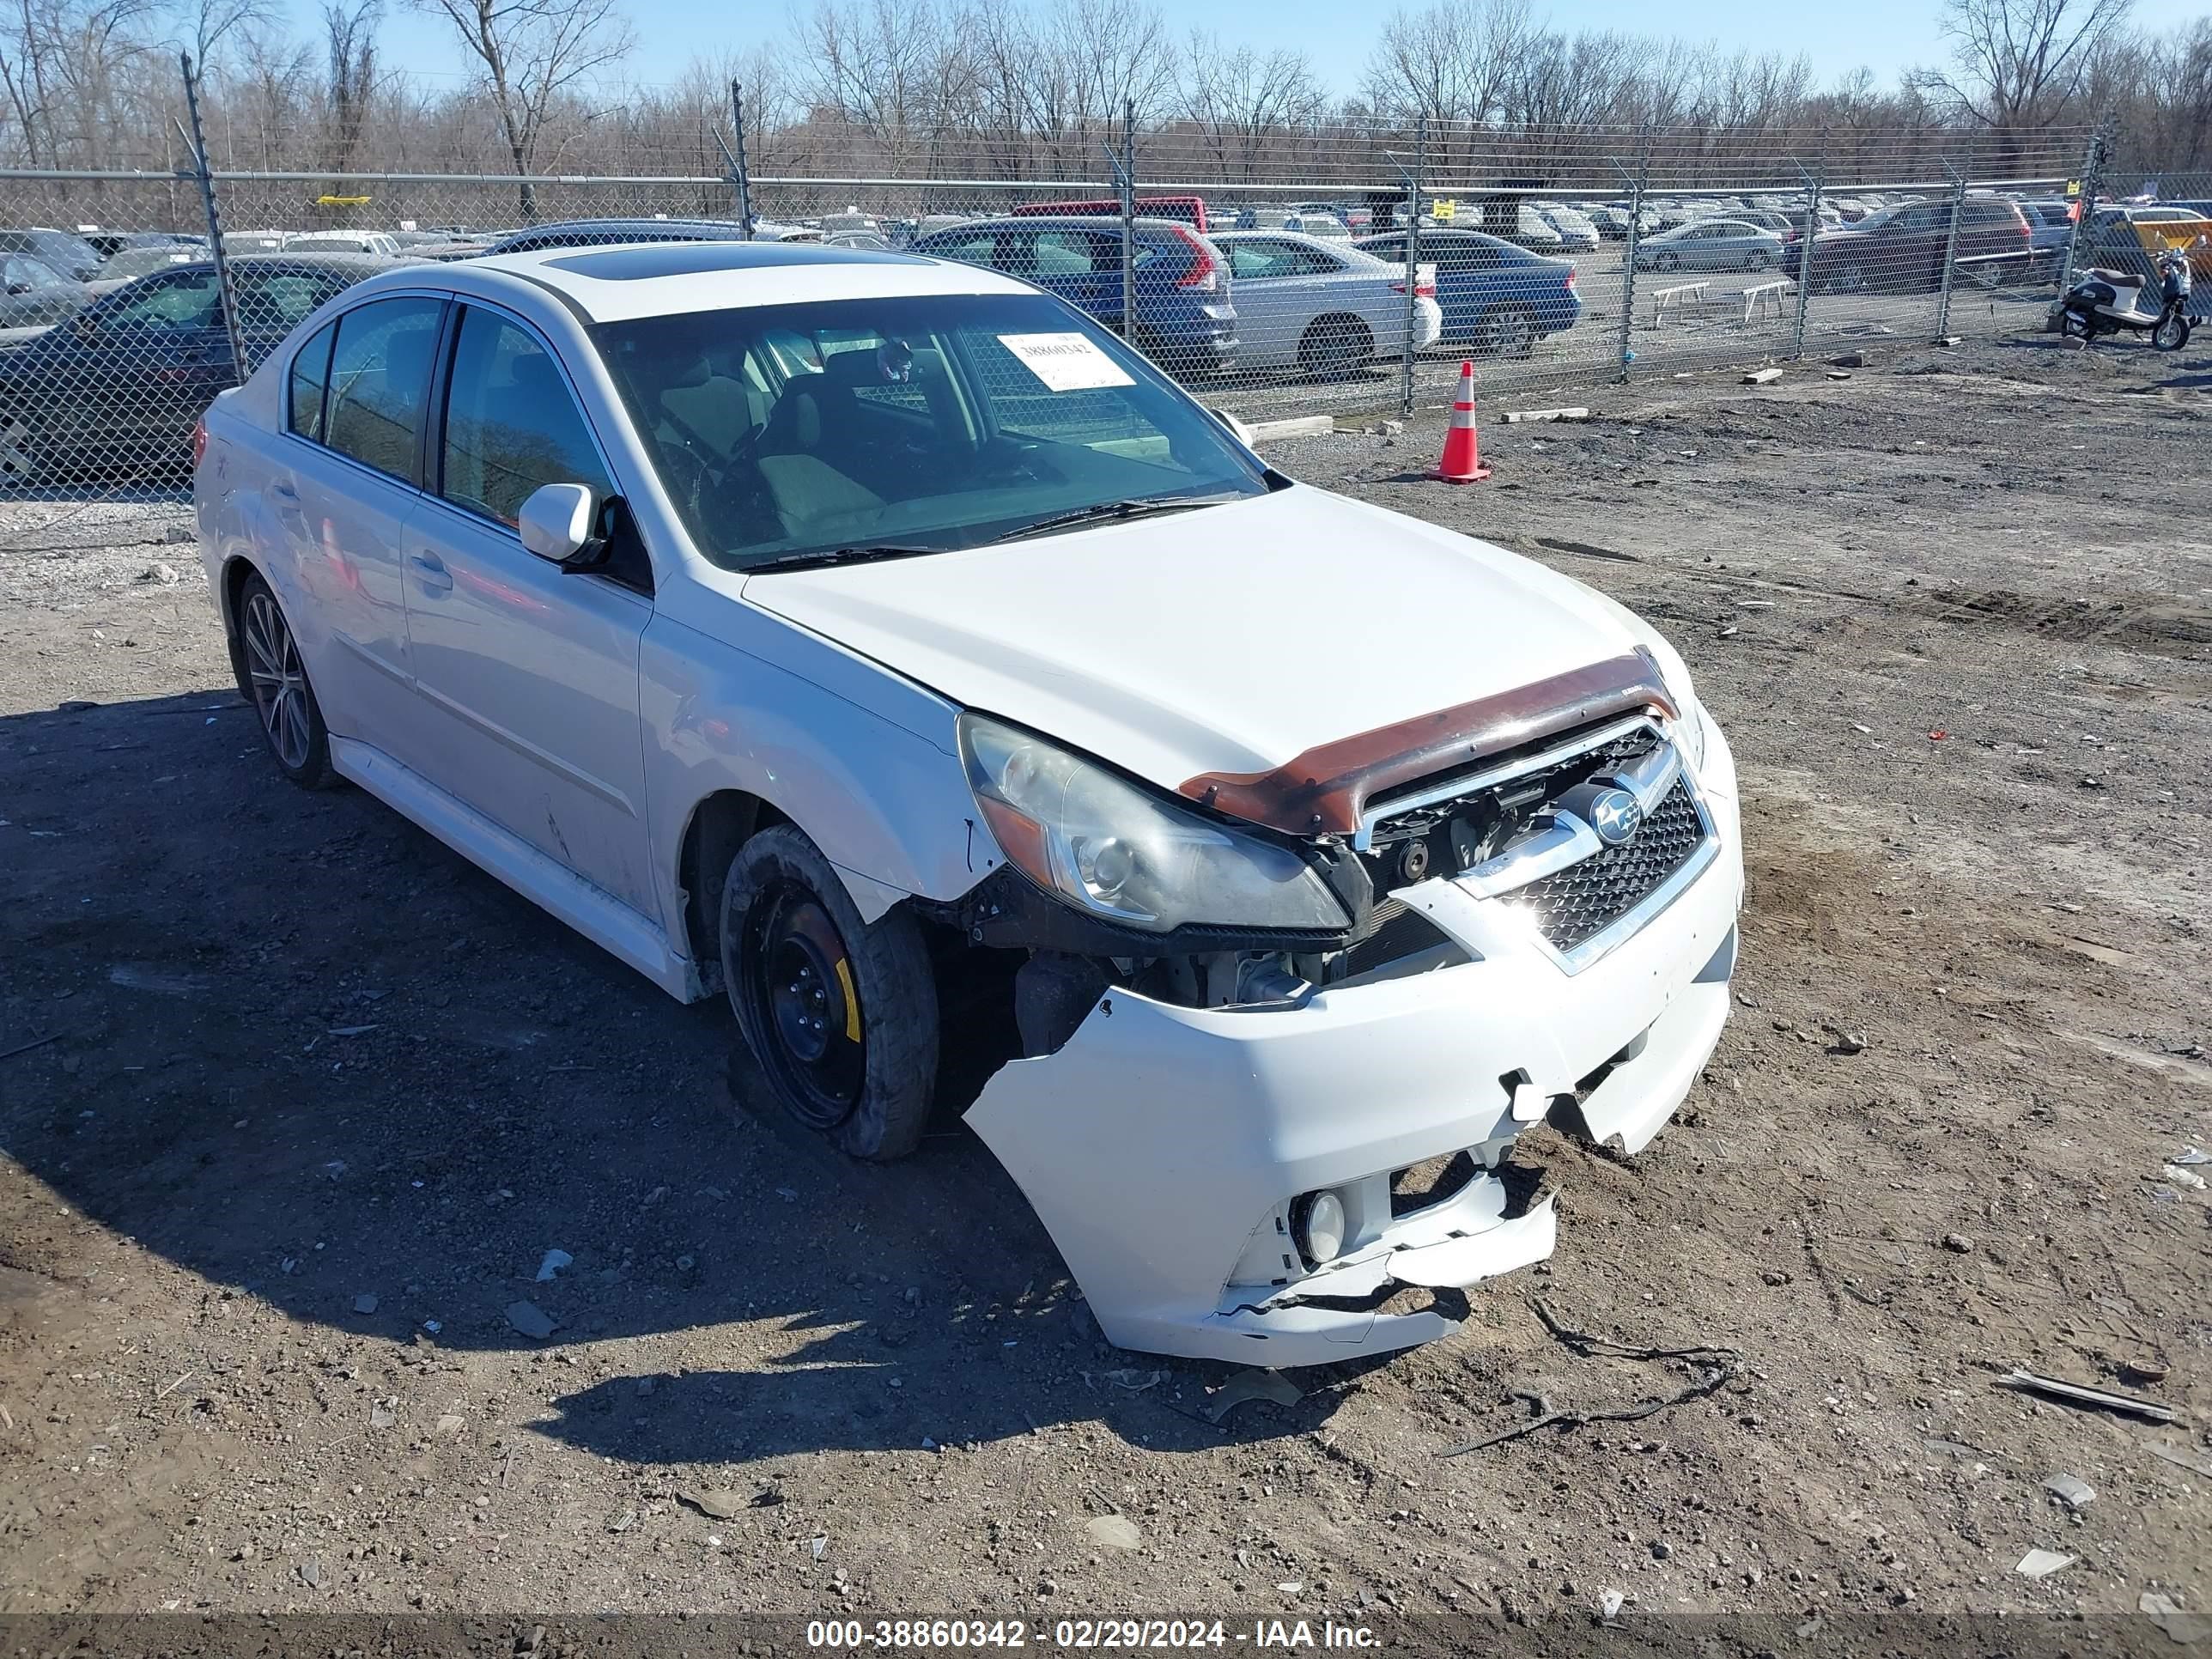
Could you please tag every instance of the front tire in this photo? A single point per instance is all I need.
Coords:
(1758, 260)
(841, 1015)
(21, 464)
(273, 677)
(2172, 332)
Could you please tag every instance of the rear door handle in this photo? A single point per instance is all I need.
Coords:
(431, 571)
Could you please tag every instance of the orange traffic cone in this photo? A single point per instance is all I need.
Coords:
(1462, 461)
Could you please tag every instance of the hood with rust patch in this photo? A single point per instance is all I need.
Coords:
(1226, 641)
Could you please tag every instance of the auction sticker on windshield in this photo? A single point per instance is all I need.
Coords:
(1066, 362)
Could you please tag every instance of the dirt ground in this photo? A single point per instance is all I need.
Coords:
(319, 1096)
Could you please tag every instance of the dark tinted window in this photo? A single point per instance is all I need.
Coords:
(311, 373)
(512, 422)
(278, 301)
(187, 300)
(21, 272)
(380, 374)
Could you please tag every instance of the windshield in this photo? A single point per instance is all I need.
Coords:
(930, 423)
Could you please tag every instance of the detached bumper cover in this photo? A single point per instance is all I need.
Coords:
(1163, 1145)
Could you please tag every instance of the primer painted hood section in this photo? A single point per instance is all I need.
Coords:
(1228, 639)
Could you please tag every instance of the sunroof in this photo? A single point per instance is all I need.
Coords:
(630, 265)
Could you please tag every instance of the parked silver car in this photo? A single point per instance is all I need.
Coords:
(1577, 234)
(1711, 245)
(1323, 306)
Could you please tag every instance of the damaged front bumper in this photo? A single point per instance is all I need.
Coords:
(1165, 1147)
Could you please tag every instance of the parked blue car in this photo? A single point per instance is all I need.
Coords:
(1184, 319)
(1500, 298)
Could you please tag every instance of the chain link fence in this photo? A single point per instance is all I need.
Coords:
(1344, 270)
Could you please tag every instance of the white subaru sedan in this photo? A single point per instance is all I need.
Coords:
(878, 642)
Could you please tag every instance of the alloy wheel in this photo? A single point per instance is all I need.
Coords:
(279, 680)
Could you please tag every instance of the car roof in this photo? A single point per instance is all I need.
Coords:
(623, 281)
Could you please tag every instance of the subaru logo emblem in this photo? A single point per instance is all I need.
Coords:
(1616, 817)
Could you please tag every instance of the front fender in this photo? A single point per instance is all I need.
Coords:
(888, 805)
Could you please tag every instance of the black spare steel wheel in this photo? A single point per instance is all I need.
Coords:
(841, 1015)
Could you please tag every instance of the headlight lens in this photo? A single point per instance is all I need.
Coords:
(1110, 848)
(1689, 732)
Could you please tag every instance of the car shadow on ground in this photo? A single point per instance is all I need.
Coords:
(300, 1050)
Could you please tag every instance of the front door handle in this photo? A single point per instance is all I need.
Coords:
(431, 571)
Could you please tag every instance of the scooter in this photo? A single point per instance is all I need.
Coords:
(2105, 301)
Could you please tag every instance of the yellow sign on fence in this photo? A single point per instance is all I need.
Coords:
(341, 201)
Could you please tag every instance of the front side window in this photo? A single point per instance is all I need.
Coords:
(380, 379)
(923, 422)
(512, 422)
(187, 300)
(28, 274)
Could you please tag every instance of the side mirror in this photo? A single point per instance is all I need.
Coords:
(19, 288)
(555, 524)
(1241, 433)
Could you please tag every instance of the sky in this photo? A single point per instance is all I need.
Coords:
(1887, 36)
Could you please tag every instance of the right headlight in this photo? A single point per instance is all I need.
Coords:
(1119, 854)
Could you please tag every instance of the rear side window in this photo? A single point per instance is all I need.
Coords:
(379, 381)
(1075, 254)
(278, 301)
(978, 250)
(311, 374)
(512, 422)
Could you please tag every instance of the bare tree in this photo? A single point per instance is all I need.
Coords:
(1450, 62)
(532, 52)
(1243, 103)
(203, 26)
(2018, 63)
(61, 62)
(349, 31)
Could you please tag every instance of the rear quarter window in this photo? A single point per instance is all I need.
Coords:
(311, 372)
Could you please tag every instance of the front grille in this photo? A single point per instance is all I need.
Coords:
(1418, 821)
(1584, 899)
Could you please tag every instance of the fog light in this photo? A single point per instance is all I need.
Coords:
(1317, 1226)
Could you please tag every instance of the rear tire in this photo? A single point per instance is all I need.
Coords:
(1506, 331)
(273, 677)
(1665, 261)
(1335, 345)
(1758, 260)
(841, 1015)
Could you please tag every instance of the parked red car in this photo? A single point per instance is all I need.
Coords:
(1189, 209)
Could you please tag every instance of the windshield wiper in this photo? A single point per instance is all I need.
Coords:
(1136, 506)
(823, 556)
